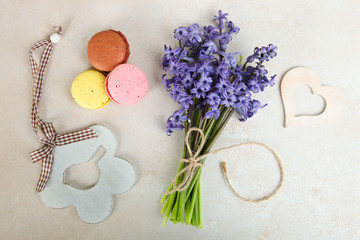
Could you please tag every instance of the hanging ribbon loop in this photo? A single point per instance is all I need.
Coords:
(52, 138)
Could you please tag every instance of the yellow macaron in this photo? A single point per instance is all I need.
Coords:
(88, 90)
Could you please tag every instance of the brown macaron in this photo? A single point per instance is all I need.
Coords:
(107, 49)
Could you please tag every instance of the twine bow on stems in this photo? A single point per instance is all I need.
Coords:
(194, 162)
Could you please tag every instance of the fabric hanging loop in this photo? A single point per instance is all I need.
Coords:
(50, 137)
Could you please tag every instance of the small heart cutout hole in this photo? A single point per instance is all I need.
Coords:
(306, 102)
(84, 175)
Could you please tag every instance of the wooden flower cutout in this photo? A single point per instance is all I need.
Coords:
(333, 101)
(93, 203)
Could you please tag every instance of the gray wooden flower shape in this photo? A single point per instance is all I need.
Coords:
(95, 204)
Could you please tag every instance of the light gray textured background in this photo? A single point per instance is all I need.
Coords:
(320, 196)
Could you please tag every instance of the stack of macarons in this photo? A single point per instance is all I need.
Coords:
(112, 78)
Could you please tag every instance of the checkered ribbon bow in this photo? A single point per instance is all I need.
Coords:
(50, 138)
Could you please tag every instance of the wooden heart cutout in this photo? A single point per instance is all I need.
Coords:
(334, 103)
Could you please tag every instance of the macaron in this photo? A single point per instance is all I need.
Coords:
(107, 49)
(88, 90)
(126, 84)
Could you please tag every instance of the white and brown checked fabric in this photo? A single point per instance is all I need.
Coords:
(51, 138)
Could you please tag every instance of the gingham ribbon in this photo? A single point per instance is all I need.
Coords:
(50, 138)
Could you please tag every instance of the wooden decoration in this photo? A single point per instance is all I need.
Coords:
(333, 101)
(115, 176)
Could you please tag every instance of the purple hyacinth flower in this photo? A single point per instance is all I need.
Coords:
(260, 70)
(210, 32)
(174, 122)
(201, 69)
(209, 47)
(170, 127)
(232, 28)
(187, 81)
(188, 69)
(223, 85)
(253, 107)
(249, 108)
(221, 18)
(229, 58)
(175, 92)
(181, 33)
(194, 34)
(229, 99)
(252, 57)
(263, 54)
(272, 81)
(271, 49)
(222, 70)
(204, 82)
(179, 116)
(241, 89)
(184, 55)
(253, 85)
(205, 57)
(198, 92)
(171, 53)
(224, 37)
(205, 66)
(239, 74)
(213, 112)
(175, 66)
(167, 83)
(213, 99)
(186, 101)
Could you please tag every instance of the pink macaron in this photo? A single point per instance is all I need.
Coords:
(126, 84)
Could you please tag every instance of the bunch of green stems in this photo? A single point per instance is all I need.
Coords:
(186, 206)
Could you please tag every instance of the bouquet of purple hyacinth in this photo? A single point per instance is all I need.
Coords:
(210, 85)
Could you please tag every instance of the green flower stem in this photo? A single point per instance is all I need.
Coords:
(203, 124)
(196, 124)
(196, 118)
(195, 218)
(181, 164)
(168, 189)
(187, 205)
(182, 200)
(193, 182)
(181, 207)
(187, 209)
(192, 204)
(220, 120)
(181, 197)
(199, 205)
(209, 128)
(229, 112)
(169, 208)
(163, 209)
(226, 115)
(174, 212)
(207, 133)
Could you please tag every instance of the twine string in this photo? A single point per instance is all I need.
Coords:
(194, 162)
